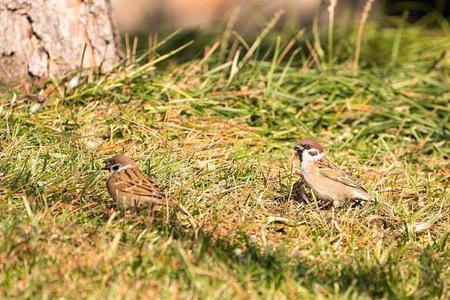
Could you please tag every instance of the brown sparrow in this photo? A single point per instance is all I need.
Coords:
(130, 188)
(326, 180)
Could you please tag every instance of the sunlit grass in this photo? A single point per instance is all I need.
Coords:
(217, 134)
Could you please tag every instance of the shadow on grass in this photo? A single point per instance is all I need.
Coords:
(271, 267)
(248, 263)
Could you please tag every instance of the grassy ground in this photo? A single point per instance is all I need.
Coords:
(217, 133)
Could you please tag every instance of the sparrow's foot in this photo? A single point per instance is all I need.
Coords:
(300, 192)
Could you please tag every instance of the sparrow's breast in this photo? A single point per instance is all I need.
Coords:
(311, 176)
(323, 187)
(117, 189)
(110, 186)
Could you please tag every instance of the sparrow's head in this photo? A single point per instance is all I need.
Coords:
(309, 149)
(118, 162)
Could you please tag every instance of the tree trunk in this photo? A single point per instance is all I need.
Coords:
(41, 38)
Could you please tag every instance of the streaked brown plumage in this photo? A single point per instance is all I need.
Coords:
(132, 189)
(326, 180)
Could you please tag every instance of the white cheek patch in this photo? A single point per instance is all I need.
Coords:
(312, 155)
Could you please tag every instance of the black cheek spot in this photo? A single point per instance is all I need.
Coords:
(313, 153)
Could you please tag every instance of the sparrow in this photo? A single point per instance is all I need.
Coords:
(324, 178)
(130, 188)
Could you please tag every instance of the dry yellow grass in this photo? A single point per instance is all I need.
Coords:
(223, 148)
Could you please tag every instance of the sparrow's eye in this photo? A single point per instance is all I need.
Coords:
(115, 167)
(307, 146)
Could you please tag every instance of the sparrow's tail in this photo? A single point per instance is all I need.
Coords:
(364, 197)
(372, 200)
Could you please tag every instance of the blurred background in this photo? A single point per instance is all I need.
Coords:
(151, 16)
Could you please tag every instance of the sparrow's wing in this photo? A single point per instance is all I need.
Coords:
(138, 186)
(331, 171)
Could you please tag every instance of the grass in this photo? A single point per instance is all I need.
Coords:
(217, 133)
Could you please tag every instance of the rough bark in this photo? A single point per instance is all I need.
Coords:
(41, 38)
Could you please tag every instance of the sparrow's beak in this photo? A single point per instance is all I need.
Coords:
(299, 149)
(107, 165)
